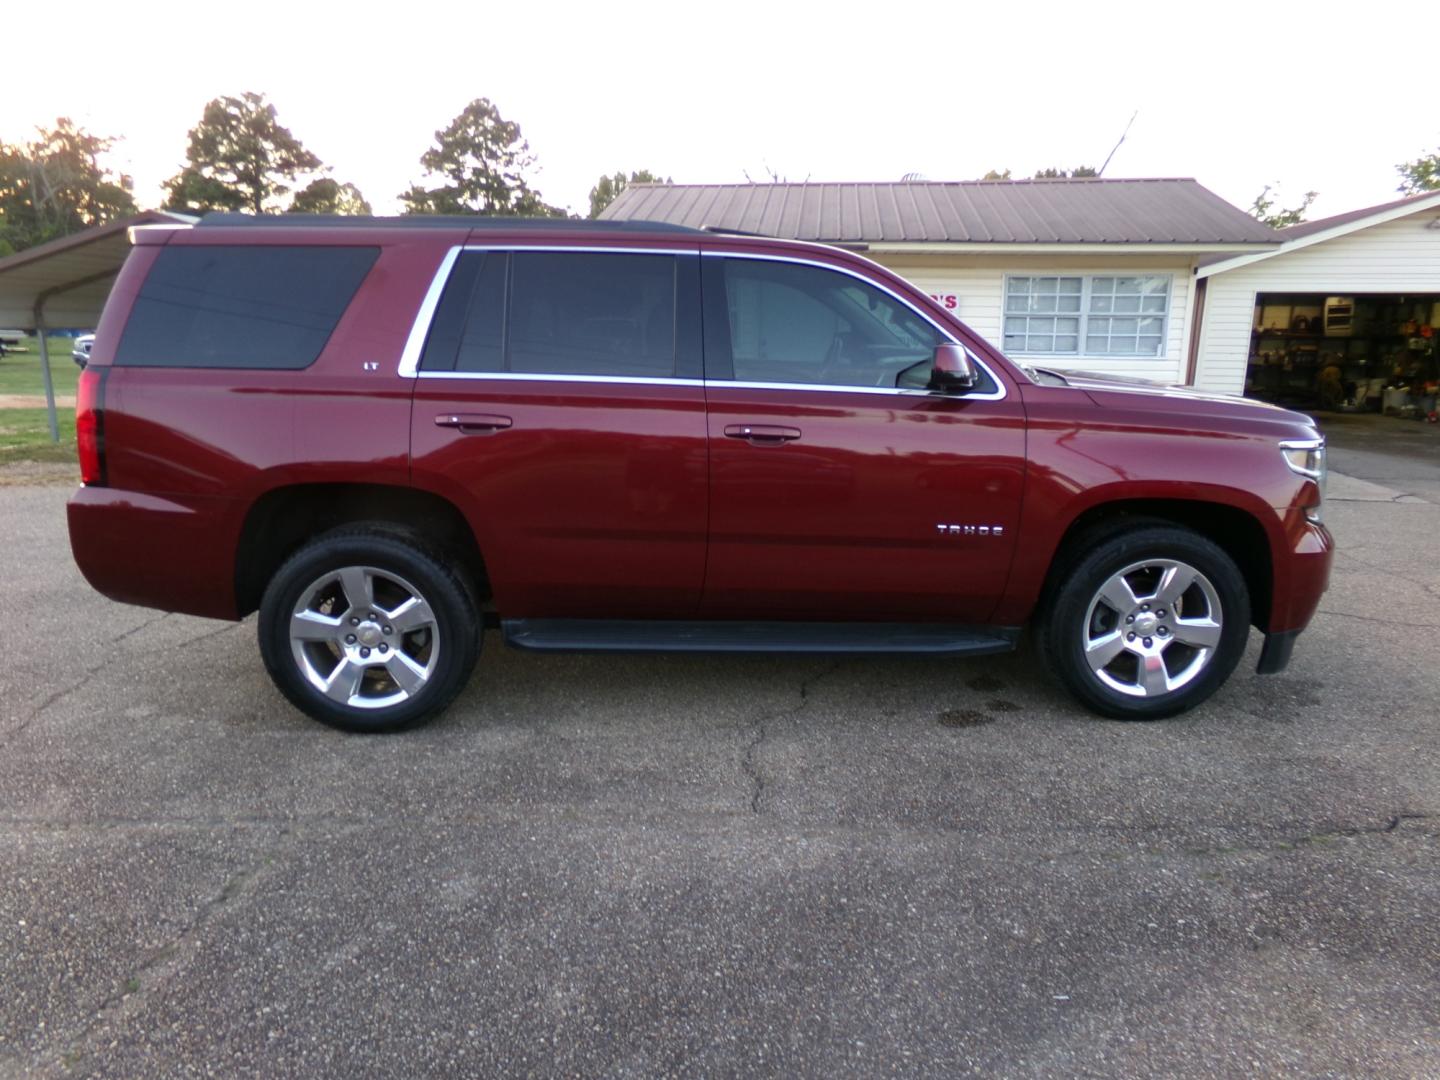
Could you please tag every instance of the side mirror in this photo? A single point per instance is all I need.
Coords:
(953, 373)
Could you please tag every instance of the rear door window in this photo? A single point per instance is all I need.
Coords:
(241, 306)
(576, 313)
(581, 313)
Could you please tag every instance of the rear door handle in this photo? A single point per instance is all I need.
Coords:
(474, 423)
(762, 434)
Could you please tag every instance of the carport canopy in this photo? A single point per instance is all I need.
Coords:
(64, 284)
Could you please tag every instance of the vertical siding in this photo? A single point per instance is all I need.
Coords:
(1397, 257)
(978, 281)
(1225, 333)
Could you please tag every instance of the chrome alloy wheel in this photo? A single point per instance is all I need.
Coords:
(1152, 628)
(364, 637)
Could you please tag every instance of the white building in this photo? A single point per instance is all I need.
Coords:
(1359, 292)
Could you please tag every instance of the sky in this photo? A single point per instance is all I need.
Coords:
(1300, 95)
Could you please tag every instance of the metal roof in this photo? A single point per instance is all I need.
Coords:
(72, 275)
(1306, 228)
(1076, 211)
(1310, 233)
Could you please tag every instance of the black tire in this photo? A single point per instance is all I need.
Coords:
(453, 629)
(1074, 614)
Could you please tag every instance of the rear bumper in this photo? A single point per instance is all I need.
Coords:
(172, 554)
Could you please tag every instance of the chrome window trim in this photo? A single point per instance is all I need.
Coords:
(825, 388)
(586, 249)
(415, 343)
(651, 380)
(521, 376)
(420, 328)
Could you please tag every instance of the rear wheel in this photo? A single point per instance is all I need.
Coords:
(367, 630)
(1148, 624)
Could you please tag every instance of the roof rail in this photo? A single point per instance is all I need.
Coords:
(720, 230)
(222, 219)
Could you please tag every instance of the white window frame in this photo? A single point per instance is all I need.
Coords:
(1085, 313)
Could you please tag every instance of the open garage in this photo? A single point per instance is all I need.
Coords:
(1343, 316)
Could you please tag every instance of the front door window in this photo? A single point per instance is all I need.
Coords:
(805, 325)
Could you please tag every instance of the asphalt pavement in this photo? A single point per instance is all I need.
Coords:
(687, 866)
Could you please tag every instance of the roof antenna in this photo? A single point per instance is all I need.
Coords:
(1117, 145)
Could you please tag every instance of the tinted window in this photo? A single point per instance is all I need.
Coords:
(802, 324)
(467, 332)
(591, 314)
(241, 307)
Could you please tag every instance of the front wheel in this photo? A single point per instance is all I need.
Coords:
(368, 631)
(1149, 624)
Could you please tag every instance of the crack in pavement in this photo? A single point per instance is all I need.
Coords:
(1377, 619)
(1318, 840)
(1399, 497)
(147, 623)
(156, 967)
(90, 673)
(57, 696)
(748, 764)
(1432, 589)
(297, 828)
(1340, 832)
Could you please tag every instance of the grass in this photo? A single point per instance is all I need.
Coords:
(20, 371)
(25, 435)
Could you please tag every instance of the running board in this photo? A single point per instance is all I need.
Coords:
(720, 636)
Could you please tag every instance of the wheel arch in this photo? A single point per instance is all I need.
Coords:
(282, 519)
(1235, 530)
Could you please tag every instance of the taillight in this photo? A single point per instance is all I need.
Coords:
(90, 425)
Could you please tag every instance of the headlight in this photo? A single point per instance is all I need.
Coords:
(1306, 457)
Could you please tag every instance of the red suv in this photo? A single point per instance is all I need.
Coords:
(386, 434)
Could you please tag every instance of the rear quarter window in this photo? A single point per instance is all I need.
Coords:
(241, 306)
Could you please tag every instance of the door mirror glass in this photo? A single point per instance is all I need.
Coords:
(953, 373)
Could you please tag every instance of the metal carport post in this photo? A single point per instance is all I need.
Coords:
(45, 343)
(70, 276)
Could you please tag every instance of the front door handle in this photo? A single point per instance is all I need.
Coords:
(762, 434)
(474, 423)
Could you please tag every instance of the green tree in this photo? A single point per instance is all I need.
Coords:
(478, 165)
(327, 196)
(1422, 174)
(1060, 174)
(1263, 210)
(608, 188)
(996, 174)
(55, 185)
(240, 157)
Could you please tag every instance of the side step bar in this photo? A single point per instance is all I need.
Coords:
(718, 636)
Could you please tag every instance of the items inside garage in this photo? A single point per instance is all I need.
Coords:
(1365, 353)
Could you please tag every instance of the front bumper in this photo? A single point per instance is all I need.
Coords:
(1275, 654)
(1301, 578)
